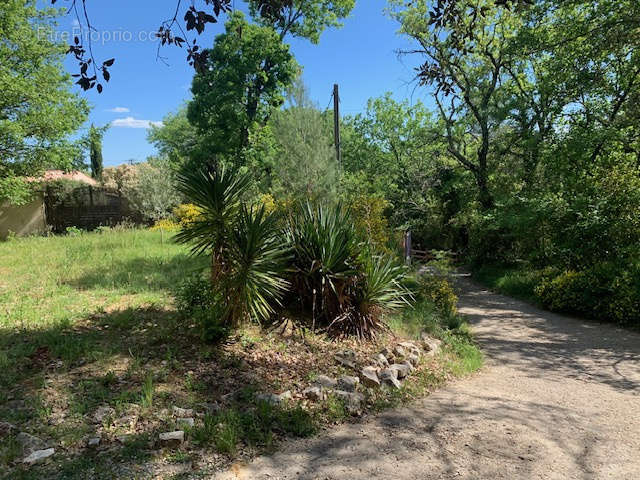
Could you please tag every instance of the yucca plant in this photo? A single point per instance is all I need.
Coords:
(258, 262)
(340, 283)
(379, 290)
(323, 240)
(247, 258)
(217, 192)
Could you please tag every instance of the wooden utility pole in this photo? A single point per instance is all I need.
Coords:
(336, 122)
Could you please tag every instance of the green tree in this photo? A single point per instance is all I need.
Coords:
(247, 72)
(96, 135)
(305, 163)
(301, 18)
(176, 139)
(151, 188)
(465, 65)
(37, 109)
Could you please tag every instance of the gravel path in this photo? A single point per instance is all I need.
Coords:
(559, 398)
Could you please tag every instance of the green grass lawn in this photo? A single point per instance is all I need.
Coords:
(89, 321)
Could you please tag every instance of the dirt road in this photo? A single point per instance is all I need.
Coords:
(559, 398)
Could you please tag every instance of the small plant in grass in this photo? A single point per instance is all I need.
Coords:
(438, 289)
(146, 395)
(10, 450)
(335, 408)
(73, 231)
(178, 457)
(255, 426)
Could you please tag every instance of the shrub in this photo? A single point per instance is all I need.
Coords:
(370, 220)
(323, 240)
(437, 289)
(165, 225)
(186, 213)
(73, 231)
(344, 288)
(197, 301)
(151, 191)
(606, 291)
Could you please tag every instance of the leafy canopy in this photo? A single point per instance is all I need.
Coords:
(247, 71)
(37, 109)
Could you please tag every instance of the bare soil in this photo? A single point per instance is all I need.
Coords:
(559, 398)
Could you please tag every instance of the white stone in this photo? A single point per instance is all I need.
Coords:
(402, 369)
(381, 360)
(390, 377)
(370, 377)
(93, 442)
(187, 421)
(182, 412)
(346, 358)
(103, 412)
(348, 383)
(352, 400)
(38, 455)
(170, 439)
(431, 345)
(314, 393)
(326, 382)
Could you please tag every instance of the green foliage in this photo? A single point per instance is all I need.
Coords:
(151, 189)
(193, 294)
(197, 301)
(247, 258)
(247, 72)
(146, 393)
(304, 164)
(37, 109)
(177, 140)
(605, 291)
(438, 290)
(95, 150)
(371, 222)
(255, 426)
(514, 281)
(303, 19)
(257, 264)
(217, 193)
(15, 190)
(344, 289)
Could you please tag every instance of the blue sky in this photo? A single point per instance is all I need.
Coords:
(361, 57)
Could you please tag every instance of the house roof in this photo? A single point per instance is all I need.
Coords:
(51, 175)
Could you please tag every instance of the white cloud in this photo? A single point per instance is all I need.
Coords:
(130, 122)
(119, 110)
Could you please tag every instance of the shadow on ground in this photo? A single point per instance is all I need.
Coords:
(558, 399)
(543, 343)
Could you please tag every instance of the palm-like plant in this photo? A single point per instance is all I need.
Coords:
(324, 241)
(379, 289)
(247, 259)
(257, 264)
(217, 192)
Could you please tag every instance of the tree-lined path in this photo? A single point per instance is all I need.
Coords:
(558, 399)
